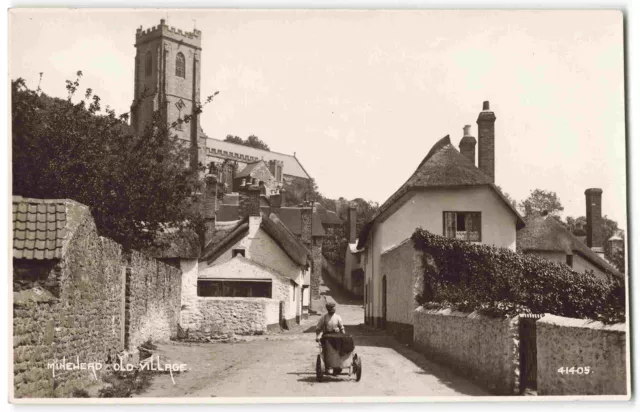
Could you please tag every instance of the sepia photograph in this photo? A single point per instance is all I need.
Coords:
(225, 205)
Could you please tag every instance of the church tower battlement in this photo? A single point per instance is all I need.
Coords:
(167, 66)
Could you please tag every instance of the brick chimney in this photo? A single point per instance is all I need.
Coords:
(486, 141)
(468, 145)
(249, 198)
(351, 223)
(306, 213)
(594, 219)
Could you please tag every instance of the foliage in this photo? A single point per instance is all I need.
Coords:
(251, 141)
(365, 209)
(334, 246)
(135, 185)
(497, 281)
(539, 202)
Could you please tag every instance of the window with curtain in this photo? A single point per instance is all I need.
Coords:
(180, 65)
(148, 61)
(463, 226)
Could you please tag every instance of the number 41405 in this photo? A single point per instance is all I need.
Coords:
(580, 370)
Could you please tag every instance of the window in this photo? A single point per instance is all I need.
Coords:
(147, 64)
(463, 226)
(570, 261)
(234, 288)
(235, 252)
(180, 65)
(293, 291)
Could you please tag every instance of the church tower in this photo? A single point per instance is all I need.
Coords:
(167, 72)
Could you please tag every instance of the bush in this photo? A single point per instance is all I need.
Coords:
(497, 281)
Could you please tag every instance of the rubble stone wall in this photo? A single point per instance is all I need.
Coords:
(484, 349)
(580, 344)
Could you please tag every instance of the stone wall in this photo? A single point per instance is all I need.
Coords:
(242, 316)
(483, 349)
(578, 343)
(78, 313)
(153, 300)
(77, 307)
(398, 266)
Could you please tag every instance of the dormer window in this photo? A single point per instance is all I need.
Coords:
(463, 226)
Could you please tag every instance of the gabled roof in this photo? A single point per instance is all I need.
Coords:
(250, 168)
(546, 234)
(443, 167)
(285, 239)
(290, 216)
(43, 228)
(328, 217)
(223, 239)
(291, 165)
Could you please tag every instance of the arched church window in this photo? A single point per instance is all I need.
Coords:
(147, 64)
(180, 65)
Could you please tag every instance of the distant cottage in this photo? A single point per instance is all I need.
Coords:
(546, 237)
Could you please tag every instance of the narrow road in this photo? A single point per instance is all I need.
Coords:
(284, 365)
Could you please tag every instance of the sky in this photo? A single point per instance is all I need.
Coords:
(361, 96)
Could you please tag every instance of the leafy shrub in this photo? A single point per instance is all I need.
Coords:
(497, 281)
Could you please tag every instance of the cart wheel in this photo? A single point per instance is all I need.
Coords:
(319, 369)
(358, 367)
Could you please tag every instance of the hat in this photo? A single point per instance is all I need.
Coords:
(331, 305)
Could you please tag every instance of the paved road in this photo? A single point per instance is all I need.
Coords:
(284, 365)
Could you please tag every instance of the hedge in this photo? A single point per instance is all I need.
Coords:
(497, 281)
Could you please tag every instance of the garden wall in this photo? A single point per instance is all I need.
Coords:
(580, 344)
(86, 307)
(484, 349)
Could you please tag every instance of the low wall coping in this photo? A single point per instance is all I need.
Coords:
(455, 313)
(581, 323)
(237, 299)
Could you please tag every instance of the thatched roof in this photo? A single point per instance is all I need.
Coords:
(289, 243)
(546, 234)
(274, 227)
(223, 239)
(443, 167)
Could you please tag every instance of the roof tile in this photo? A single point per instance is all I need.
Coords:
(40, 226)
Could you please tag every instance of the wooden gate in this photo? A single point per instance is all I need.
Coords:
(528, 352)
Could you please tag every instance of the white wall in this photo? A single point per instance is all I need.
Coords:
(425, 209)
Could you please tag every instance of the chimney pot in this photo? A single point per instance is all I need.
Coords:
(485, 105)
(162, 21)
(466, 130)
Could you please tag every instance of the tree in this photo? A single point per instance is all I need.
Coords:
(135, 185)
(251, 141)
(539, 202)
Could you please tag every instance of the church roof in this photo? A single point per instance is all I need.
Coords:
(443, 167)
(291, 165)
(546, 234)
